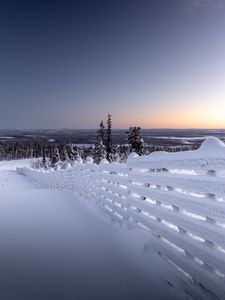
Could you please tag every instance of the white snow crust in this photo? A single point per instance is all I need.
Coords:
(178, 199)
(56, 245)
(141, 230)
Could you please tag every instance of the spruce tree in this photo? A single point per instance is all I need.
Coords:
(101, 132)
(55, 157)
(43, 156)
(108, 141)
(99, 152)
(76, 152)
(63, 153)
(70, 152)
(135, 141)
(99, 149)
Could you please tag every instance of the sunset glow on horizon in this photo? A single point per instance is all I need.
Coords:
(174, 122)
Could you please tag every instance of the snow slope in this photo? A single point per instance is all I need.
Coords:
(54, 247)
(178, 198)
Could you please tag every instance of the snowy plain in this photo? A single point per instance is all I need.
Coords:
(55, 245)
(177, 199)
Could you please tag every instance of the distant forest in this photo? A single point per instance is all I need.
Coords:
(103, 148)
(11, 151)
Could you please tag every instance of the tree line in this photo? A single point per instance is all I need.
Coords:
(59, 155)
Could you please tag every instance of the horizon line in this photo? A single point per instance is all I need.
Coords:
(96, 128)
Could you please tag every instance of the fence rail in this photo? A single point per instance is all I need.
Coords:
(178, 197)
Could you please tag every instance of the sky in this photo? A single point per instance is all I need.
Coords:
(151, 63)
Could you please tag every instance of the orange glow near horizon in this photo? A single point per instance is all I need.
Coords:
(185, 121)
(193, 117)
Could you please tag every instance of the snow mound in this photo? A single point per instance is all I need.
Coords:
(104, 161)
(210, 154)
(212, 145)
(133, 155)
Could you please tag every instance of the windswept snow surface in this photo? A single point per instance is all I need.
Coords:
(210, 147)
(55, 247)
(211, 153)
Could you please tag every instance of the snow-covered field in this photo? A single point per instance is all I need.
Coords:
(54, 246)
(177, 199)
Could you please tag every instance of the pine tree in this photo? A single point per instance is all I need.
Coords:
(108, 141)
(63, 153)
(135, 141)
(55, 157)
(99, 149)
(101, 132)
(43, 155)
(70, 152)
(76, 152)
(99, 152)
(116, 154)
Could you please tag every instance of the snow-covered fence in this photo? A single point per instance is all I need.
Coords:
(178, 197)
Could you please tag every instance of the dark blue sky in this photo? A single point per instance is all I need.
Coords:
(151, 63)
